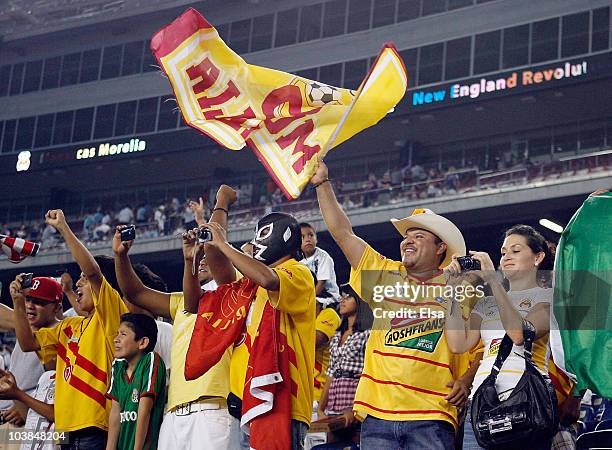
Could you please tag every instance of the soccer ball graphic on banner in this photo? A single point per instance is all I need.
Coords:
(319, 94)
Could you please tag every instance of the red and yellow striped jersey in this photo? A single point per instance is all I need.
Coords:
(85, 349)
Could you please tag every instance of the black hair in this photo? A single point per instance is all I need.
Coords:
(146, 275)
(107, 267)
(538, 244)
(143, 326)
(149, 278)
(439, 241)
(307, 225)
(364, 318)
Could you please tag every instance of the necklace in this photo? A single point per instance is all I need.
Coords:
(81, 331)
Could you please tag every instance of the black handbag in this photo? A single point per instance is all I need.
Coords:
(528, 416)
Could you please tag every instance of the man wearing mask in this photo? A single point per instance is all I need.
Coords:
(287, 286)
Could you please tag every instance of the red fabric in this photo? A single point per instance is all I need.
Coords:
(266, 401)
(221, 317)
(17, 249)
(45, 288)
(220, 322)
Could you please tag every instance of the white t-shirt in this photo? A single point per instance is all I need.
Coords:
(210, 286)
(322, 265)
(35, 423)
(164, 342)
(492, 332)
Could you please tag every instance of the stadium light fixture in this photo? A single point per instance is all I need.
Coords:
(551, 225)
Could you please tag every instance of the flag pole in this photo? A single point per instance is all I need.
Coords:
(332, 138)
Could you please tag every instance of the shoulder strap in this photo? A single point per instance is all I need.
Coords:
(504, 351)
(506, 347)
(528, 338)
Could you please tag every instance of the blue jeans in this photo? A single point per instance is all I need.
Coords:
(86, 439)
(469, 438)
(298, 434)
(240, 440)
(382, 434)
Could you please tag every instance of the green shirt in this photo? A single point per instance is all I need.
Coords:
(148, 380)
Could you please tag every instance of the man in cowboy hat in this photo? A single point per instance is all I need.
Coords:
(410, 387)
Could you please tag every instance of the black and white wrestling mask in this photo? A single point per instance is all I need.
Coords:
(276, 235)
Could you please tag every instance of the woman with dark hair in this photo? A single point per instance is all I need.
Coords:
(525, 261)
(347, 350)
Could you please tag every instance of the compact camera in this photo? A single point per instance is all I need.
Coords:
(128, 233)
(203, 235)
(468, 263)
(26, 280)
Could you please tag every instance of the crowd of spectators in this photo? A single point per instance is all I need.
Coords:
(343, 322)
(409, 183)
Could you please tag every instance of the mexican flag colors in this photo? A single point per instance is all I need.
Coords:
(581, 327)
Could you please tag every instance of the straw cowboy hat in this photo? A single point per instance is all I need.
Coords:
(446, 230)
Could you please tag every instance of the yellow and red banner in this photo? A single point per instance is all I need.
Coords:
(285, 119)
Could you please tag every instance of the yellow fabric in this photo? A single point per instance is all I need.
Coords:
(82, 380)
(407, 365)
(276, 113)
(461, 363)
(296, 302)
(238, 367)
(214, 383)
(327, 322)
(563, 384)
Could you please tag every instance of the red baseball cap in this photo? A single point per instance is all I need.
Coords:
(45, 288)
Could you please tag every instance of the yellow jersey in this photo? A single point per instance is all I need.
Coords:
(296, 303)
(327, 322)
(407, 360)
(214, 383)
(85, 350)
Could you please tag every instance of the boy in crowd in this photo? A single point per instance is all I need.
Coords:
(320, 264)
(83, 345)
(42, 303)
(137, 388)
(197, 416)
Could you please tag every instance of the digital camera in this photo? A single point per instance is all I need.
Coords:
(26, 280)
(468, 263)
(203, 235)
(128, 233)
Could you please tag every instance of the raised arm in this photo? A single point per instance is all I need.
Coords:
(132, 287)
(6, 318)
(221, 267)
(81, 255)
(335, 218)
(25, 337)
(191, 285)
(512, 320)
(198, 210)
(461, 334)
